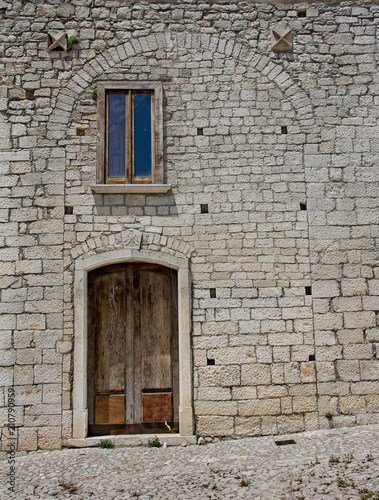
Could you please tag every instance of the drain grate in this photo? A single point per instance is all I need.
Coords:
(284, 442)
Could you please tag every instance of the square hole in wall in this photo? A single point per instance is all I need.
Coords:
(303, 206)
(200, 131)
(302, 13)
(30, 95)
(212, 293)
(284, 129)
(308, 290)
(210, 361)
(80, 131)
(204, 208)
(312, 357)
(68, 210)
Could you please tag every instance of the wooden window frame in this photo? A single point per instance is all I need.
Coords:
(157, 176)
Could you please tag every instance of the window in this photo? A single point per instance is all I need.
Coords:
(130, 142)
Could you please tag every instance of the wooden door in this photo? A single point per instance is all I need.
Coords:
(132, 349)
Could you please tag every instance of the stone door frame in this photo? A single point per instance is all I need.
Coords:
(82, 267)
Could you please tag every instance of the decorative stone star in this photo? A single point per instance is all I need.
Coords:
(281, 39)
(56, 41)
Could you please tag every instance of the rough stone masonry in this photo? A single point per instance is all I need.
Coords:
(271, 162)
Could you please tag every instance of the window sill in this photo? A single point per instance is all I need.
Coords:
(131, 188)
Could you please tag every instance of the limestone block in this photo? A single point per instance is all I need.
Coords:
(271, 326)
(47, 373)
(350, 336)
(52, 393)
(367, 418)
(223, 376)
(328, 321)
(372, 334)
(216, 408)
(325, 288)
(49, 438)
(7, 357)
(17, 94)
(358, 351)
(302, 390)
(301, 352)
(304, 404)
(333, 388)
(307, 372)
(372, 403)
(290, 423)
(215, 393)
(23, 374)
(27, 439)
(326, 337)
(5, 339)
(28, 394)
(272, 391)
(232, 355)
(31, 322)
(329, 353)
(264, 354)
(269, 425)
(365, 388)
(255, 373)
(29, 356)
(352, 405)
(286, 405)
(373, 287)
(17, 416)
(259, 407)
(285, 339)
(328, 404)
(311, 421)
(277, 373)
(220, 328)
(66, 423)
(351, 287)
(248, 426)
(291, 373)
(325, 371)
(342, 304)
(363, 319)
(215, 426)
(370, 370)
(281, 353)
(246, 392)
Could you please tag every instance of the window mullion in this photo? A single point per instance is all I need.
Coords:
(129, 139)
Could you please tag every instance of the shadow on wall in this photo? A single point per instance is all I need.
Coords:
(135, 204)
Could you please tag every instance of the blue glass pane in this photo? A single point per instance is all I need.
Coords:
(142, 135)
(116, 135)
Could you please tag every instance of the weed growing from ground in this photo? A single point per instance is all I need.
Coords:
(106, 444)
(69, 487)
(366, 494)
(334, 460)
(153, 442)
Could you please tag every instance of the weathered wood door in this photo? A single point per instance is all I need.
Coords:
(132, 349)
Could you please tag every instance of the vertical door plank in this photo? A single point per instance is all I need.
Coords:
(109, 321)
(155, 329)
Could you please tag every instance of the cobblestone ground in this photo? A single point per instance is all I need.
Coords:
(334, 464)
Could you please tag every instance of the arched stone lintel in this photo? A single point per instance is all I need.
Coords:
(82, 268)
(98, 68)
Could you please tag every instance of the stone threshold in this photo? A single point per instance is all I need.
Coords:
(130, 440)
(131, 188)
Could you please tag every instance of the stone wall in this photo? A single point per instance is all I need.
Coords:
(287, 163)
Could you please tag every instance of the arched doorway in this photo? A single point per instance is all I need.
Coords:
(132, 356)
